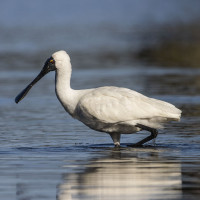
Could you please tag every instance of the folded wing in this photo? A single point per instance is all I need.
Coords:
(115, 105)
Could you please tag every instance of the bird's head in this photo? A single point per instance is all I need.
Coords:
(55, 62)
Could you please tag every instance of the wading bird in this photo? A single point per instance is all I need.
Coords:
(113, 110)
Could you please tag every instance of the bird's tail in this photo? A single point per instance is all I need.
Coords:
(167, 110)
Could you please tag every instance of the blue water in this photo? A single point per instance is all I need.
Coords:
(44, 153)
(87, 25)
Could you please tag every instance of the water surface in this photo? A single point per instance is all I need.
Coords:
(45, 154)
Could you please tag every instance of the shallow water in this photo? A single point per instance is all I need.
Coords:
(45, 154)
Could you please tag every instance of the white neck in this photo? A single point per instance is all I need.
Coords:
(65, 94)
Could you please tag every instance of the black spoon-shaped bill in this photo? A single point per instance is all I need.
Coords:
(24, 92)
(48, 66)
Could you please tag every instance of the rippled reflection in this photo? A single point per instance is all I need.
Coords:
(124, 178)
(45, 152)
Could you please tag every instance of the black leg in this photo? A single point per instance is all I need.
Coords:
(153, 135)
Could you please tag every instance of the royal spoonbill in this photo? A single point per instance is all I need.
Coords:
(113, 110)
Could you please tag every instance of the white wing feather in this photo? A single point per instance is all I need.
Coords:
(114, 105)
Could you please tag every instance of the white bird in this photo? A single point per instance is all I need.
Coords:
(113, 110)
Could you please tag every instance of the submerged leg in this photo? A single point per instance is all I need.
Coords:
(116, 138)
(153, 135)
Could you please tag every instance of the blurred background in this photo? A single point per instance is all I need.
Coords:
(100, 33)
(151, 46)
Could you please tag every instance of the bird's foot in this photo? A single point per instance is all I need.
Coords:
(135, 145)
(154, 142)
(117, 144)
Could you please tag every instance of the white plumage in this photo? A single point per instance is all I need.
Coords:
(114, 105)
(113, 110)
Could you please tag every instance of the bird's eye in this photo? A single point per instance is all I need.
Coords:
(52, 61)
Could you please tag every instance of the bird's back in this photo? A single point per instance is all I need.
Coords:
(114, 105)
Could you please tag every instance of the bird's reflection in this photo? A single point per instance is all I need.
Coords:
(124, 177)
